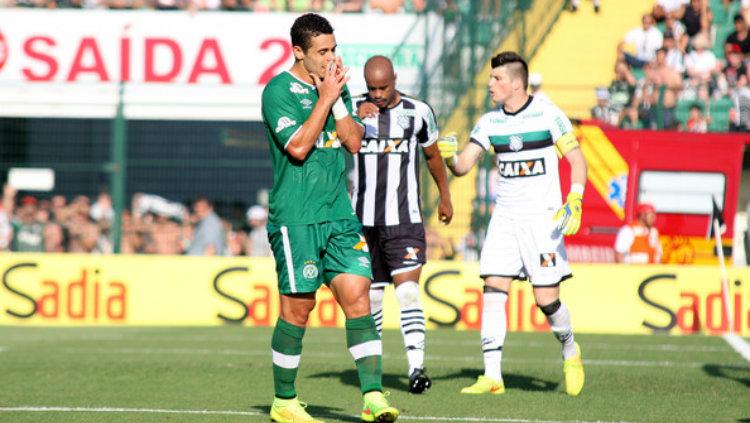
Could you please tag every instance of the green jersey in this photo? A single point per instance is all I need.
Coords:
(314, 190)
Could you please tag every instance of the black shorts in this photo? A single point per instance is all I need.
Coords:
(394, 249)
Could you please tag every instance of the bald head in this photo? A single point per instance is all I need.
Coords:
(381, 82)
(379, 67)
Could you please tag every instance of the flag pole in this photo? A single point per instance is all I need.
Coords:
(724, 282)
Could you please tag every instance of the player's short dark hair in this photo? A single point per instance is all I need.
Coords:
(308, 26)
(738, 18)
(517, 67)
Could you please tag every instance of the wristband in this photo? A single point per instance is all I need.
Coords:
(339, 109)
(577, 188)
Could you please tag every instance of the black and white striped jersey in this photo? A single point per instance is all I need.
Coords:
(385, 178)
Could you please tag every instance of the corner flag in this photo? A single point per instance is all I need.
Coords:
(716, 215)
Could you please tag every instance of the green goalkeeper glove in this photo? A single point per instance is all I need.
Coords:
(568, 217)
(448, 146)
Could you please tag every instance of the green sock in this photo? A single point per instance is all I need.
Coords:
(365, 346)
(286, 346)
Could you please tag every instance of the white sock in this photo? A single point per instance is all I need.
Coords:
(376, 308)
(412, 323)
(493, 332)
(559, 320)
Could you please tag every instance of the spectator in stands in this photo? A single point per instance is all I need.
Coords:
(697, 122)
(675, 54)
(166, 236)
(604, 111)
(575, 4)
(666, 85)
(740, 114)
(677, 30)
(208, 238)
(83, 233)
(640, 44)
(740, 36)
(348, 6)
(638, 242)
(102, 211)
(702, 67)
(535, 86)
(386, 6)
(697, 18)
(257, 237)
(622, 88)
(54, 238)
(669, 8)
(28, 232)
(6, 231)
(733, 70)
(58, 208)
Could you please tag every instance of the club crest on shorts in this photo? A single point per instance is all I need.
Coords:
(310, 271)
(547, 260)
(516, 143)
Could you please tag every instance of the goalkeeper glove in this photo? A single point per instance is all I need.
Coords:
(448, 146)
(568, 217)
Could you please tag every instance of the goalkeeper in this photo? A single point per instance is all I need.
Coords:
(525, 234)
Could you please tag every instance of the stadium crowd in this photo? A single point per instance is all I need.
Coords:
(295, 6)
(152, 225)
(669, 63)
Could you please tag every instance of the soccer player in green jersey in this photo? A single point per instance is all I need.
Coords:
(314, 233)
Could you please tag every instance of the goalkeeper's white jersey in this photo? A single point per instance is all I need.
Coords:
(528, 184)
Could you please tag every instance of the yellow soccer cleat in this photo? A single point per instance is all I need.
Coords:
(290, 411)
(573, 371)
(485, 385)
(377, 409)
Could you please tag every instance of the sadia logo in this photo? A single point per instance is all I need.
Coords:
(283, 123)
(521, 168)
(297, 88)
(3, 51)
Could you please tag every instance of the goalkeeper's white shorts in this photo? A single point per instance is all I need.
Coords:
(524, 249)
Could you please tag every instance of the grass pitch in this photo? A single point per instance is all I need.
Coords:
(223, 374)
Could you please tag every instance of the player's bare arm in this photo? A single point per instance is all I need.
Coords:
(329, 90)
(578, 168)
(440, 176)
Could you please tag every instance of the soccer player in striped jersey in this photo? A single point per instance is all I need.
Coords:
(525, 234)
(314, 233)
(385, 195)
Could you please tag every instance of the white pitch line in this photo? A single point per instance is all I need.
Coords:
(44, 409)
(318, 340)
(739, 345)
(329, 355)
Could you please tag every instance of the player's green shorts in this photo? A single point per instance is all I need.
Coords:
(308, 256)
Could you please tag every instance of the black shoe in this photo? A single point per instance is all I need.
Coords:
(596, 8)
(419, 381)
